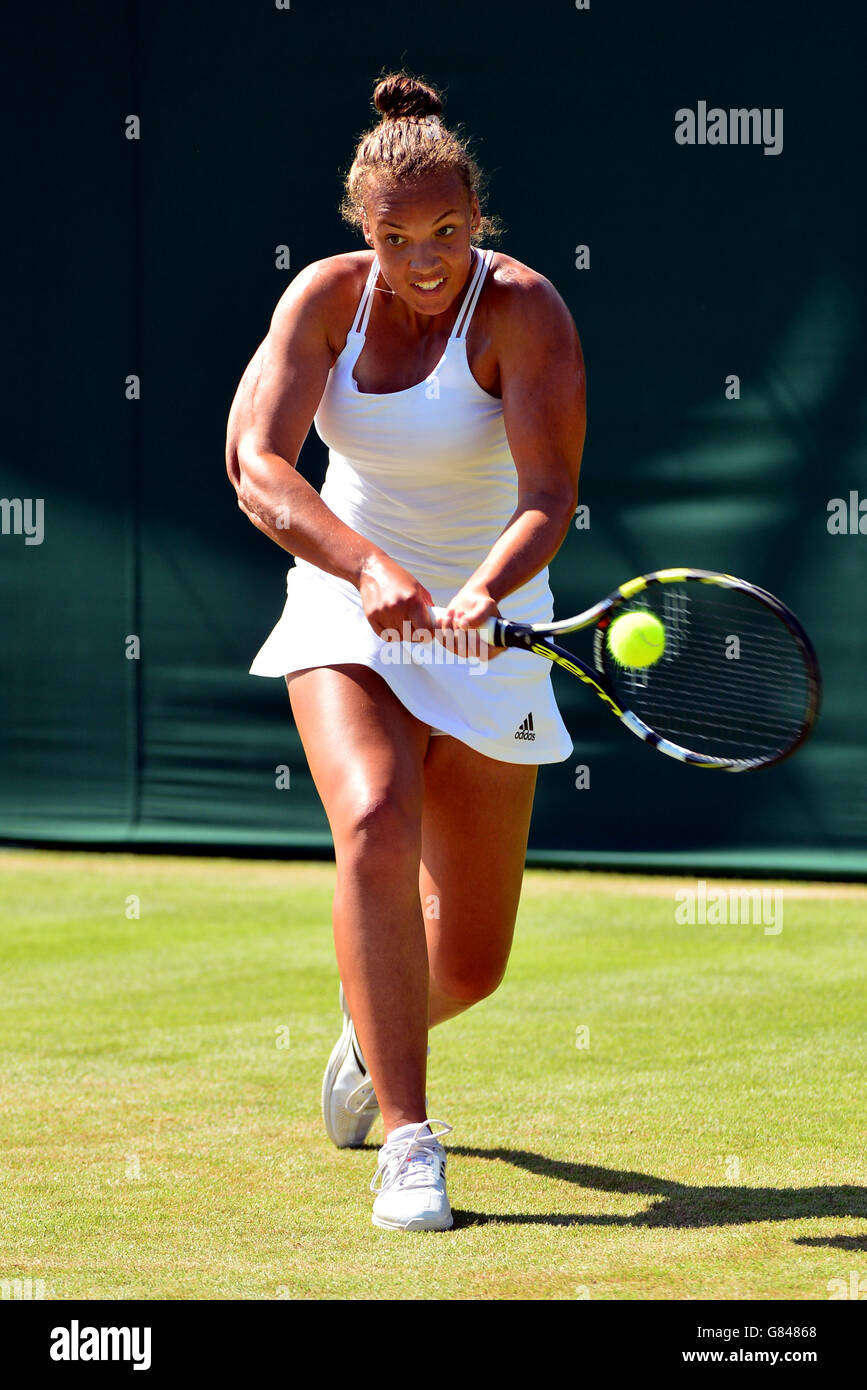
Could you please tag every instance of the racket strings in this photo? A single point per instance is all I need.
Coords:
(733, 680)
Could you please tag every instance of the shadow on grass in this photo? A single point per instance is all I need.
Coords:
(836, 1242)
(677, 1206)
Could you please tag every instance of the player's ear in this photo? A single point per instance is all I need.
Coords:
(365, 227)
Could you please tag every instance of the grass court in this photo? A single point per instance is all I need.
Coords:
(644, 1110)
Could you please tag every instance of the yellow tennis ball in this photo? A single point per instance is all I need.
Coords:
(636, 638)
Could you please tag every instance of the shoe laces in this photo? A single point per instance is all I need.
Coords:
(362, 1100)
(416, 1161)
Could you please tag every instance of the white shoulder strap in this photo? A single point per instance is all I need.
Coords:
(469, 304)
(359, 323)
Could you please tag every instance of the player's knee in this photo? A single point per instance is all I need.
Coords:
(471, 984)
(381, 823)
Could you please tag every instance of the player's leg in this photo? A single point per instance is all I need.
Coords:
(366, 755)
(474, 838)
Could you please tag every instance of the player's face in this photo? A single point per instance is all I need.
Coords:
(421, 234)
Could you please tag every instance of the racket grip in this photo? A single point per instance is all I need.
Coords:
(487, 629)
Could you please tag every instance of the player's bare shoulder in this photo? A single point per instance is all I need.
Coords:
(305, 337)
(523, 305)
(318, 304)
(329, 290)
(533, 344)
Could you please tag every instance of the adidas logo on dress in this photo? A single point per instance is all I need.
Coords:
(525, 729)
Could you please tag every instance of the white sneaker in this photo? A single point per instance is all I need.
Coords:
(349, 1105)
(412, 1191)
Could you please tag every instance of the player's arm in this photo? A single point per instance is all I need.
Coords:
(269, 420)
(270, 417)
(544, 411)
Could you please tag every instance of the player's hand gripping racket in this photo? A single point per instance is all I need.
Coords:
(735, 684)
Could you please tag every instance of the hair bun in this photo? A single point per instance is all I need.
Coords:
(400, 95)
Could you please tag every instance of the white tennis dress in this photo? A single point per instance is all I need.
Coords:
(426, 474)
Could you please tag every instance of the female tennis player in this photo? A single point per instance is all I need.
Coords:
(447, 382)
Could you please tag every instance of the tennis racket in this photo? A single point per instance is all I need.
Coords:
(737, 687)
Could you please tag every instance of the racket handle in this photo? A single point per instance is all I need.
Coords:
(487, 629)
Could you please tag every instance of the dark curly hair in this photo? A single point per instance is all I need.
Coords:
(408, 143)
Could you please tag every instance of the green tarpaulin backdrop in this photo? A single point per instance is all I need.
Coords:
(157, 257)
